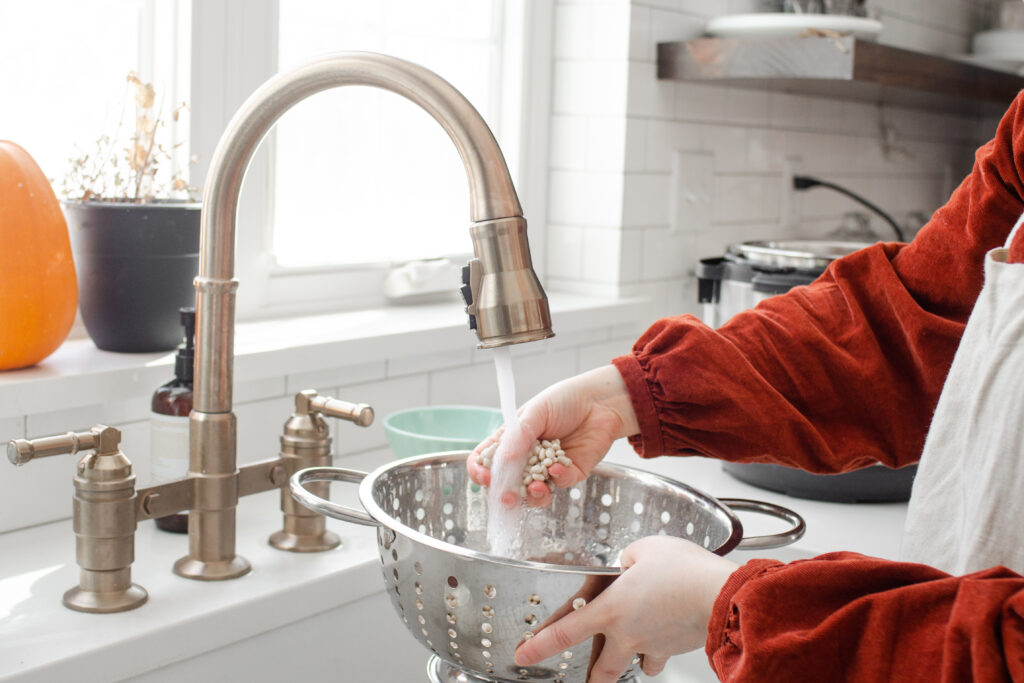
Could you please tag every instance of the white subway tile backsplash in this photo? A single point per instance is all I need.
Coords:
(386, 397)
(585, 199)
(606, 143)
(599, 355)
(574, 31)
(568, 142)
(635, 154)
(590, 88)
(565, 251)
(648, 96)
(471, 385)
(434, 361)
(602, 249)
(645, 200)
(536, 373)
(260, 425)
(610, 36)
(640, 33)
(667, 254)
(669, 27)
(336, 377)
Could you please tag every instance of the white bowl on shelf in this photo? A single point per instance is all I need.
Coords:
(779, 24)
(1000, 45)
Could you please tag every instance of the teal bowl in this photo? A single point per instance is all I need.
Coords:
(433, 429)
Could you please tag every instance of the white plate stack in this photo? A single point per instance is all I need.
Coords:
(1001, 48)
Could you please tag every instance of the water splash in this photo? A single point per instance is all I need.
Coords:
(504, 507)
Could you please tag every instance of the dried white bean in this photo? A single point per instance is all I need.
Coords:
(543, 455)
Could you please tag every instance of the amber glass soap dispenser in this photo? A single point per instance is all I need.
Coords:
(168, 423)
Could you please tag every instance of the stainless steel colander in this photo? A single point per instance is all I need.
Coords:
(472, 608)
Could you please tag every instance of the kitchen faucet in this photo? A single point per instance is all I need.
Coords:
(504, 300)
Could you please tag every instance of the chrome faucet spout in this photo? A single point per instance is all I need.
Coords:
(504, 298)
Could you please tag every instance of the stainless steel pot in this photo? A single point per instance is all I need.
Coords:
(472, 608)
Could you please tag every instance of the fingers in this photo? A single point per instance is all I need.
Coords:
(477, 472)
(538, 494)
(613, 660)
(571, 630)
(652, 665)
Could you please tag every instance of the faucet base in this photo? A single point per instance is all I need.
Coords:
(220, 570)
(95, 602)
(304, 543)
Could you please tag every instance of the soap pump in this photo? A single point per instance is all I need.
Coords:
(169, 423)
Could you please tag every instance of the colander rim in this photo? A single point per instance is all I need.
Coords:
(385, 519)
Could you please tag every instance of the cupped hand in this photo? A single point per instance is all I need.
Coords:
(658, 607)
(586, 412)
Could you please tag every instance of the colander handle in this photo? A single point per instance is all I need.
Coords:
(325, 507)
(791, 535)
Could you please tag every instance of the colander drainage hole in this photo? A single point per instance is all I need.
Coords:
(530, 619)
(451, 618)
(419, 588)
(606, 499)
(451, 601)
(665, 517)
(567, 654)
(490, 591)
(689, 528)
(638, 508)
(453, 582)
(420, 618)
(534, 599)
(452, 633)
(486, 642)
(488, 611)
(486, 627)
(394, 554)
(418, 567)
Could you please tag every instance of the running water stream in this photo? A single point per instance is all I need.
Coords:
(504, 507)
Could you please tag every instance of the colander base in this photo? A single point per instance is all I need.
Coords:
(440, 671)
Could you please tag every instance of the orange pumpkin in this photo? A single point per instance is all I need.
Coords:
(38, 291)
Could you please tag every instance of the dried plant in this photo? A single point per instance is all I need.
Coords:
(133, 167)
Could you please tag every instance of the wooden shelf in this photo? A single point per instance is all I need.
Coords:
(841, 67)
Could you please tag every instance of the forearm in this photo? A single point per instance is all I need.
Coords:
(844, 372)
(845, 616)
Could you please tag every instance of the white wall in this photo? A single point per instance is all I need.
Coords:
(616, 128)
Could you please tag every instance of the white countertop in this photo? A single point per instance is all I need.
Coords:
(40, 640)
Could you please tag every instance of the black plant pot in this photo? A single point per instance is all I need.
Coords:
(136, 264)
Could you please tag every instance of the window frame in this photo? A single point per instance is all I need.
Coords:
(234, 50)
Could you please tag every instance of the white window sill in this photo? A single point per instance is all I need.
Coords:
(78, 374)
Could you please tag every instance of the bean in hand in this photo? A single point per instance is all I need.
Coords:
(543, 455)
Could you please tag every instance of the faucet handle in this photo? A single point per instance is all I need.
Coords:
(103, 439)
(307, 401)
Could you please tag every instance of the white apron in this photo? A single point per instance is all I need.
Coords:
(965, 510)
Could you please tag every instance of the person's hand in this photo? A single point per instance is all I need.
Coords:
(587, 412)
(658, 607)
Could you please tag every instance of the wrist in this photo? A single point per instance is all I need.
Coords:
(610, 390)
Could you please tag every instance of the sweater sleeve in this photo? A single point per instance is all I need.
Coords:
(844, 372)
(848, 617)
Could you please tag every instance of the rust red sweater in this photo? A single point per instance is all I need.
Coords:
(831, 377)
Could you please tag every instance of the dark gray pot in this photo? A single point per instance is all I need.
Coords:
(136, 264)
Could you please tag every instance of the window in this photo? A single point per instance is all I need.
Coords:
(353, 181)
(64, 68)
(362, 173)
